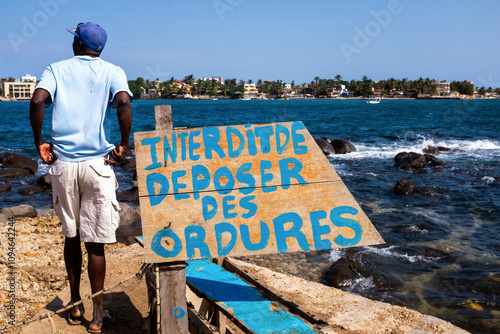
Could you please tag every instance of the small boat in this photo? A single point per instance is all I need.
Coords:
(215, 99)
(374, 101)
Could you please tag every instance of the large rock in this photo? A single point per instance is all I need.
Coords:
(23, 210)
(415, 161)
(343, 146)
(13, 172)
(28, 191)
(340, 274)
(435, 149)
(335, 146)
(410, 161)
(405, 187)
(13, 160)
(325, 146)
(130, 225)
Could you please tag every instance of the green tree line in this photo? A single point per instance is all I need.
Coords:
(317, 87)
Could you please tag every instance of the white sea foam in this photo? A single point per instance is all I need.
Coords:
(417, 230)
(481, 147)
(362, 284)
(336, 254)
(488, 179)
(390, 252)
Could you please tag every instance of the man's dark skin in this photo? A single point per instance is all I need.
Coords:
(72, 246)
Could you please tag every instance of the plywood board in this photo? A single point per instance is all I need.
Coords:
(242, 190)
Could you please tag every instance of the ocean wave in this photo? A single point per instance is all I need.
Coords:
(391, 251)
(483, 147)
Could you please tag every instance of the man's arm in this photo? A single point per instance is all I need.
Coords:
(37, 112)
(124, 112)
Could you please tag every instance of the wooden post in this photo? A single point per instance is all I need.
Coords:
(174, 316)
(163, 118)
(172, 280)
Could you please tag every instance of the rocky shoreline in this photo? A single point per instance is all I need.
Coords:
(41, 285)
(39, 273)
(34, 263)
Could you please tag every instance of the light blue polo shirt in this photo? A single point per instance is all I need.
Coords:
(82, 88)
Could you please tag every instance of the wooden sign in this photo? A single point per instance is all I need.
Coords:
(242, 190)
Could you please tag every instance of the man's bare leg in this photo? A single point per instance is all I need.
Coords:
(97, 273)
(73, 262)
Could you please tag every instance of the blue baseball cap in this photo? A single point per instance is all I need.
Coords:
(91, 35)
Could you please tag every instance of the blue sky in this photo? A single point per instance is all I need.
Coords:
(268, 40)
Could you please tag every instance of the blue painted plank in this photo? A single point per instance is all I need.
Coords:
(246, 303)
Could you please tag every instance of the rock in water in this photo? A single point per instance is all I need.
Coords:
(435, 150)
(405, 187)
(415, 161)
(13, 160)
(29, 191)
(340, 274)
(343, 146)
(13, 172)
(325, 146)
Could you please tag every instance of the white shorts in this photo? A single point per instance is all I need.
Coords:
(84, 199)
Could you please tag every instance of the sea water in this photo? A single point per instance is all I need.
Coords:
(442, 252)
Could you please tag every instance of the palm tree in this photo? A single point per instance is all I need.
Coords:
(225, 89)
(276, 87)
(418, 85)
(212, 88)
(189, 80)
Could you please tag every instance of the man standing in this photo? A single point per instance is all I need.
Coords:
(81, 155)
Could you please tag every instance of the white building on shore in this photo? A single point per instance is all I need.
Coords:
(20, 89)
(28, 78)
(251, 90)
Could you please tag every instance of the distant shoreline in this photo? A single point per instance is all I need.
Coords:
(302, 98)
(317, 98)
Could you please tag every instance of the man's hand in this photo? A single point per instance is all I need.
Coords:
(117, 155)
(45, 151)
